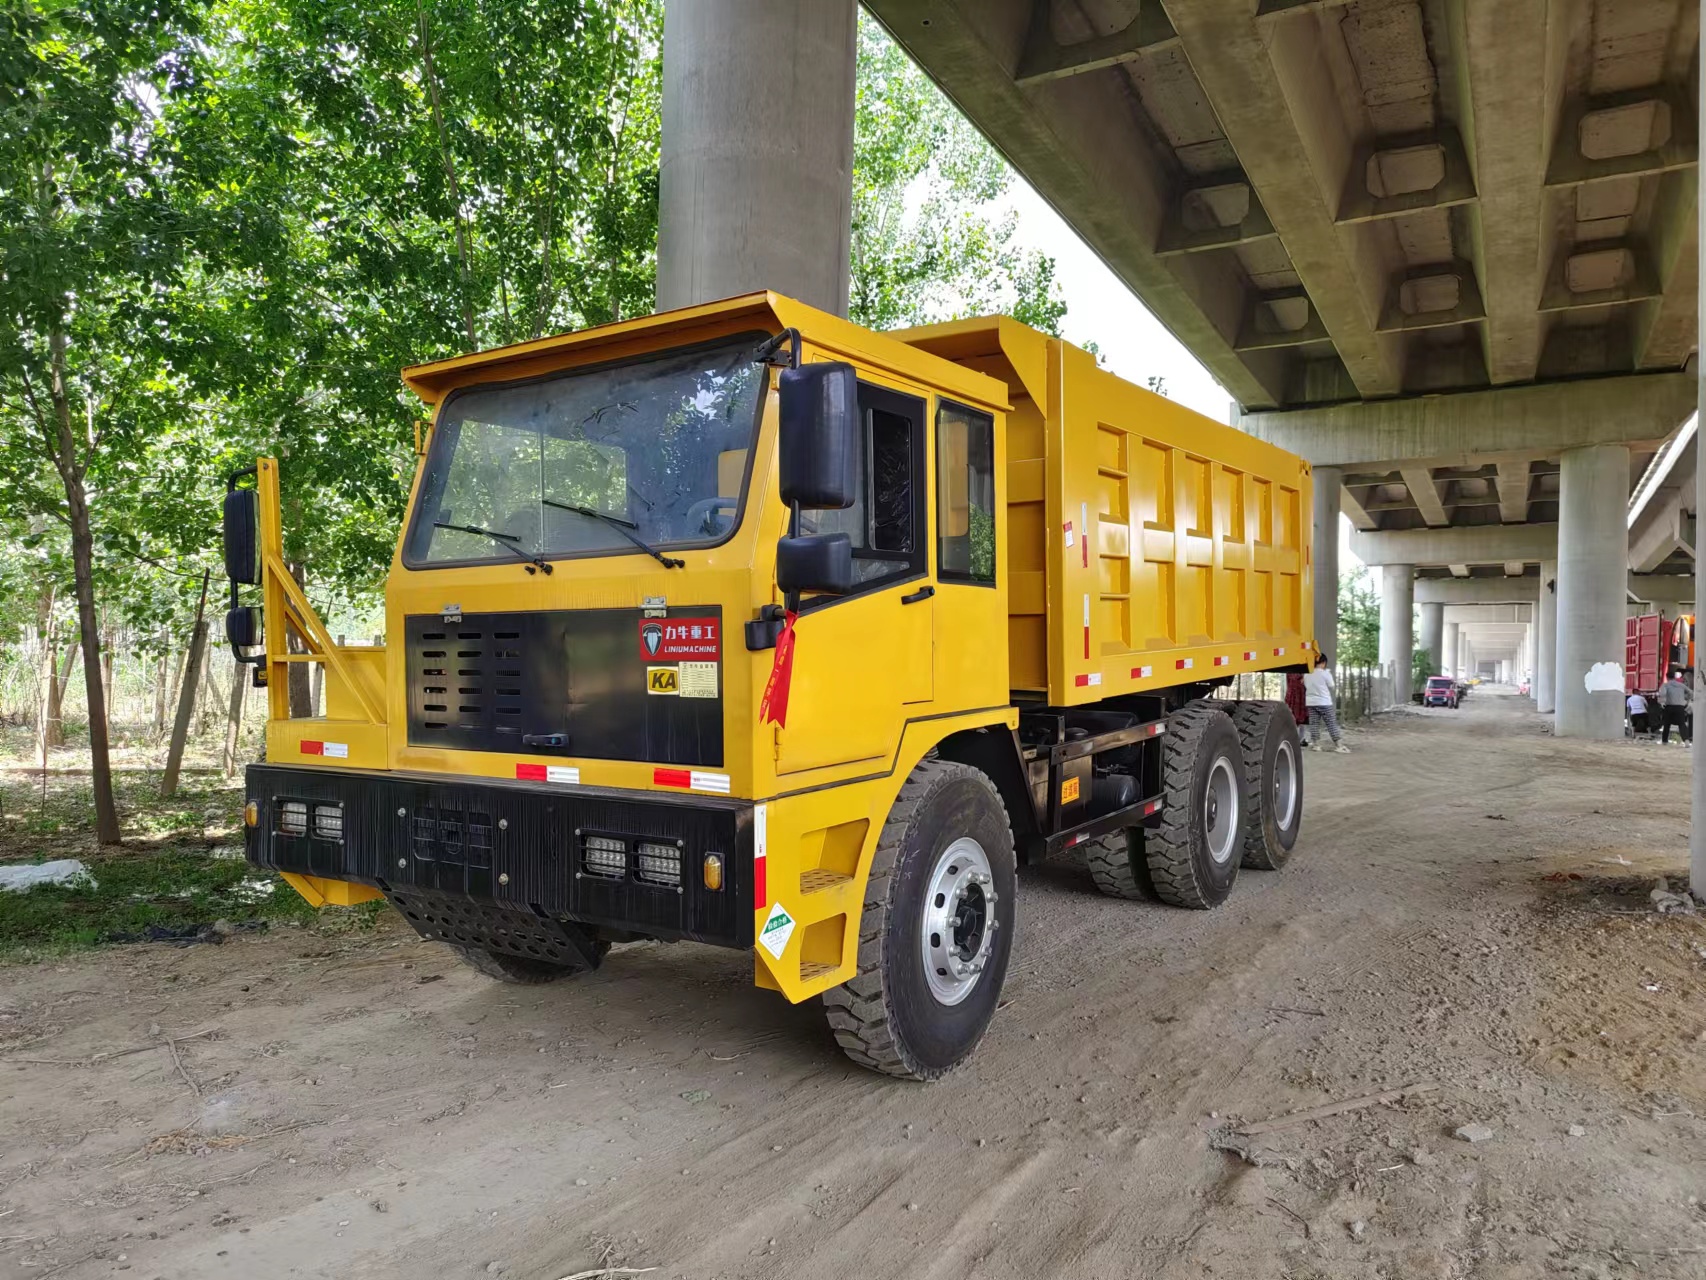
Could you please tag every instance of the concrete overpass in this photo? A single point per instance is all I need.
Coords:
(1445, 249)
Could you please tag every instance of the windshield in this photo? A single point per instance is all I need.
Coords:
(576, 463)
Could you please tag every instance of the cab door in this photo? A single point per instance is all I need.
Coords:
(865, 662)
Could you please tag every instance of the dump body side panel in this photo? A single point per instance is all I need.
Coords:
(1148, 546)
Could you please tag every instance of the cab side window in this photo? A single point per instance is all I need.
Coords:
(965, 494)
(886, 521)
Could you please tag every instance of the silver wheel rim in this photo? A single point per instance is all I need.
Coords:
(1285, 786)
(1220, 810)
(957, 929)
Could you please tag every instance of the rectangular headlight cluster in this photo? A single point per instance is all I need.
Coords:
(299, 817)
(658, 863)
(654, 862)
(293, 817)
(329, 822)
(604, 856)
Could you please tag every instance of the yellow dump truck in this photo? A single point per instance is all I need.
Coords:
(744, 625)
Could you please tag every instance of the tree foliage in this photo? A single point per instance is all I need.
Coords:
(1359, 620)
(930, 238)
(225, 225)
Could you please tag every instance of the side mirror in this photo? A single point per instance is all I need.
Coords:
(242, 536)
(820, 562)
(243, 628)
(819, 436)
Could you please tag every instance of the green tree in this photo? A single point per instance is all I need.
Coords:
(931, 240)
(91, 246)
(1359, 620)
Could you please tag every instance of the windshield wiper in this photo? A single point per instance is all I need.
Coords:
(622, 527)
(505, 540)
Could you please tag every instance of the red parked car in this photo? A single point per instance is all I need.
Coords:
(1440, 691)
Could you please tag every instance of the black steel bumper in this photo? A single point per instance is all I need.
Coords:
(489, 851)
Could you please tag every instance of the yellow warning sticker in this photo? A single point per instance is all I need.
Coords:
(1069, 791)
(663, 680)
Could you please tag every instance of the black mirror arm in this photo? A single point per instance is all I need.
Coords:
(767, 354)
(791, 599)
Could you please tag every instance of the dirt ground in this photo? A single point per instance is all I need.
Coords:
(1468, 910)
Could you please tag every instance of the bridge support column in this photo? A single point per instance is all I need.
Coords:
(1593, 569)
(756, 176)
(1398, 626)
(1449, 650)
(1546, 639)
(1433, 636)
(1326, 545)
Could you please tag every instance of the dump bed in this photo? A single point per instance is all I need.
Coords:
(1146, 544)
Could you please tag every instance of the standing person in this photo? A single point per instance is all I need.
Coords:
(1637, 713)
(1318, 694)
(1673, 706)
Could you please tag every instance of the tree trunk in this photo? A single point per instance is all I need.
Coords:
(58, 683)
(162, 682)
(107, 644)
(186, 700)
(301, 692)
(71, 469)
(47, 700)
(234, 718)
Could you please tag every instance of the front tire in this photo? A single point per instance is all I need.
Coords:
(1273, 778)
(519, 970)
(937, 928)
(1195, 849)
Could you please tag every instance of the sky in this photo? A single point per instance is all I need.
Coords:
(1100, 309)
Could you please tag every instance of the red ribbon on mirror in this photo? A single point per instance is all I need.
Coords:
(773, 707)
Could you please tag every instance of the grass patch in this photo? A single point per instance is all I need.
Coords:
(172, 888)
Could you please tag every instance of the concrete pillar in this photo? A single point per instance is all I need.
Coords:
(1528, 656)
(1433, 636)
(1593, 567)
(756, 173)
(1546, 638)
(1697, 807)
(1326, 544)
(1449, 650)
(1465, 660)
(1397, 626)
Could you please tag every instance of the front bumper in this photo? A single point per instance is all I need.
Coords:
(514, 845)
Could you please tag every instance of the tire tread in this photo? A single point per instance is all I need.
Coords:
(858, 1011)
(1167, 846)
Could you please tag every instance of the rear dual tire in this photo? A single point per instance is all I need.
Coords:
(1232, 774)
(1273, 778)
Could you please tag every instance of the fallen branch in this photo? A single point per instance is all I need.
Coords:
(1337, 1108)
(602, 1272)
(1280, 1008)
(1291, 1213)
(112, 1054)
(178, 1062)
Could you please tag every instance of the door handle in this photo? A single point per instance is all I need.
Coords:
(923, 593)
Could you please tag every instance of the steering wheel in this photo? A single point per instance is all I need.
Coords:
(700, 513)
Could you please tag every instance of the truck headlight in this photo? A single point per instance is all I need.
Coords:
(604, 856)
(292, 817)
(659, 863)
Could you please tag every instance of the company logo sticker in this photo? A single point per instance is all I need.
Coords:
(778, 928)
(695, 639)
(663, 680)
